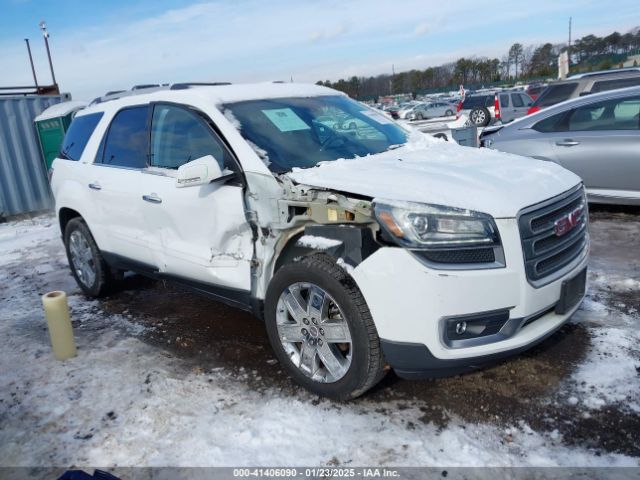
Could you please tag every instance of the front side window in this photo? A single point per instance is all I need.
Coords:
(126, 141)
(179, 135)
(604, 85)
(78, 135)
(617, 114)
(554, 123)
(301, 132)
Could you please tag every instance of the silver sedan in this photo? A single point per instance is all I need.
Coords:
(595, 136)
(422, 111)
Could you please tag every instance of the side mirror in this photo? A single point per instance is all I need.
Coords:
(200, 171)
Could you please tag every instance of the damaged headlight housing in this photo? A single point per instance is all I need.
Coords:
(429, 227)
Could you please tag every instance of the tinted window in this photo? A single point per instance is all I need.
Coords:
(555, 94)
(477, 101)
(517, 100)
(604, 85)
(554, 123)
(78, 135)
(179, 136)
(504, 100)
(617, 114)
(126, 142)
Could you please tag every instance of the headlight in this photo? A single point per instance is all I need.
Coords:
(424, 227)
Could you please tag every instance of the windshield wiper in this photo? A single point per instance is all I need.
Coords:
(393, 147)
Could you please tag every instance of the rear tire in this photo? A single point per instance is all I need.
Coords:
(93, 275)
(301, 346)
(448, 113)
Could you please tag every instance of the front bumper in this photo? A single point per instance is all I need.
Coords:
(410, 303)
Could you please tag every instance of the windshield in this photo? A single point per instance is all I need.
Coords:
(301, 132)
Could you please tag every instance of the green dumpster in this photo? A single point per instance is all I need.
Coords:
(51, 125)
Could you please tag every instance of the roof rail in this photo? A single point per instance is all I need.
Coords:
(186, 85)
(146, 85)
(605, 72)
(136, 90)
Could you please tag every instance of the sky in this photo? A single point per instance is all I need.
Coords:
(99, 46)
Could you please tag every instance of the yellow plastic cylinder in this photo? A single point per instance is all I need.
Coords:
(56, 311)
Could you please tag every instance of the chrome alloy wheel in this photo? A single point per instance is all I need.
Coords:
(313, 332)
(82, 258)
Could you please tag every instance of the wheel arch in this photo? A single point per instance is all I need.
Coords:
(356, 243)
(66, 214)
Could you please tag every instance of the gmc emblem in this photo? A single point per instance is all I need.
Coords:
(565, 224)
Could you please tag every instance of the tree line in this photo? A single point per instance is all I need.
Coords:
(519, 63)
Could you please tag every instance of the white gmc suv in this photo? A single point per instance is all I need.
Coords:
(361, 244)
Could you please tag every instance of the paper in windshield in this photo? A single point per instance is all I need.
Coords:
(286, 120)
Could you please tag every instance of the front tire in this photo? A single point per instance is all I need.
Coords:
(321, 329)
(85, 259)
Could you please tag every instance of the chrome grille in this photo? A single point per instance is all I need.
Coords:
(548, 250)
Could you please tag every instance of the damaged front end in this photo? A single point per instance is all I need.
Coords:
(303, 220)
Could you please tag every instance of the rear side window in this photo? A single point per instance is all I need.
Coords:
(555, 94)
(517, 100)
(504, 101)
(604, 85)
(126, 141)
(78, 135)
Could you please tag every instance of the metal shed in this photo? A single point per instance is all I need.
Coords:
(24, 186)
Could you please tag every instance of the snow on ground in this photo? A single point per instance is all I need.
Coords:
(124, 402)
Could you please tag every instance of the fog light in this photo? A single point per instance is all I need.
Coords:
(468, 330)
(461, 327)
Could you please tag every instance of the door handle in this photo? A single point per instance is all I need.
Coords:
(567, 143)
(95, 186)
(153, 198)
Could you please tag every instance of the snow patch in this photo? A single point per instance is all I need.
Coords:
(345, 266)
(228, 114)
(317, 243)
(264, 156)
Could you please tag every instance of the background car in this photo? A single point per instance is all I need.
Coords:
(485, 109)
(405, 108)
(431, 110)
(597, 137)
(585, 84)
(535, 89)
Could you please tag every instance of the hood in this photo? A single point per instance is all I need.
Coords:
(437, 172)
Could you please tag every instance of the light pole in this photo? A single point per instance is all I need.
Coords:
(45, 34)
(33, 69)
